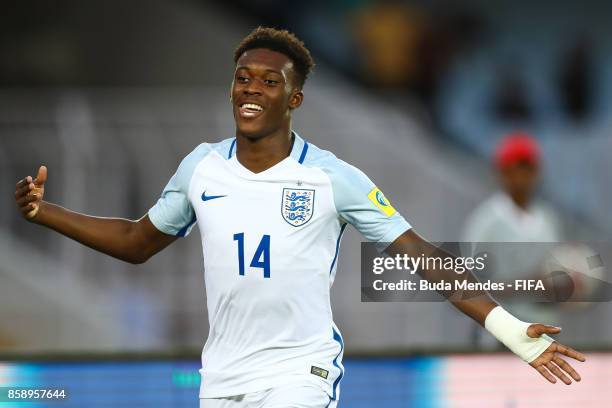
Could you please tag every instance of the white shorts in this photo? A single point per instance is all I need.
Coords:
(285, 396)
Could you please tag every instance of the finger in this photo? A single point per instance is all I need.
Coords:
(41, 177)
(35, 207)
(24, 190)
(28, 198)
(23, 182)
(570, 352)
(27, 209)
(557, 371)
(565, 366)
(536, 330)
(546, 374)
(30, 211)
(551, 330)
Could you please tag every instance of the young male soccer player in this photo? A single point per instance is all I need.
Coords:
(272, 341)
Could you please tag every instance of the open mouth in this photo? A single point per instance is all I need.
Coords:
(250, 110)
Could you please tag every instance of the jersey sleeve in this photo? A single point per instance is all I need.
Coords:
(173, 213)
(360, 203)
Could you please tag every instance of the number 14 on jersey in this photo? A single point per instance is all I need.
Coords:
(261, 258)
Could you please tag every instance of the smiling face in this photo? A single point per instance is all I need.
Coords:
(263, 93)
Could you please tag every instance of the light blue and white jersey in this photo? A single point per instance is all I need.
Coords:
(270, 243)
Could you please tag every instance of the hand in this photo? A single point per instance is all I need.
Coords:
(29, 194)
(549, 361)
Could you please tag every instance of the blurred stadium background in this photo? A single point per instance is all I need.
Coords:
(110, 95)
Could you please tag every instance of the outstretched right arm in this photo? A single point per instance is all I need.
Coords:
(128, 240)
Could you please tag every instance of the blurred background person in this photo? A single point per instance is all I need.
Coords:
(514, 213)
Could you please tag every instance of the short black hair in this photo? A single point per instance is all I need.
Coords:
(281, 41)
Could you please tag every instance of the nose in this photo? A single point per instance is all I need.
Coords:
(252, 88)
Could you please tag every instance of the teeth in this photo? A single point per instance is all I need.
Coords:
(252, 106)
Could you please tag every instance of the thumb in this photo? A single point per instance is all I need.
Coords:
(536, 330)
(41, 178)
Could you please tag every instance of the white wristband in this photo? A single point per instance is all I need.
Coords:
(513, 333)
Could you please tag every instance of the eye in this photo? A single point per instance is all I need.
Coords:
(241, 79)
(271, 82)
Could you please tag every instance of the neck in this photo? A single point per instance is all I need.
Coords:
(259, 154)
(521, 201)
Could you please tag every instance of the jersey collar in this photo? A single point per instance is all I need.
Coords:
(298, 151)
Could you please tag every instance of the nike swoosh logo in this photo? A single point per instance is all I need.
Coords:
(206, 198)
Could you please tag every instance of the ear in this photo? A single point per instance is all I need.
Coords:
(296, 99)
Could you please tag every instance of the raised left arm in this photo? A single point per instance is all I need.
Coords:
(530, 341)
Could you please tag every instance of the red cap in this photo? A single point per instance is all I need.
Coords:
(517, 147)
